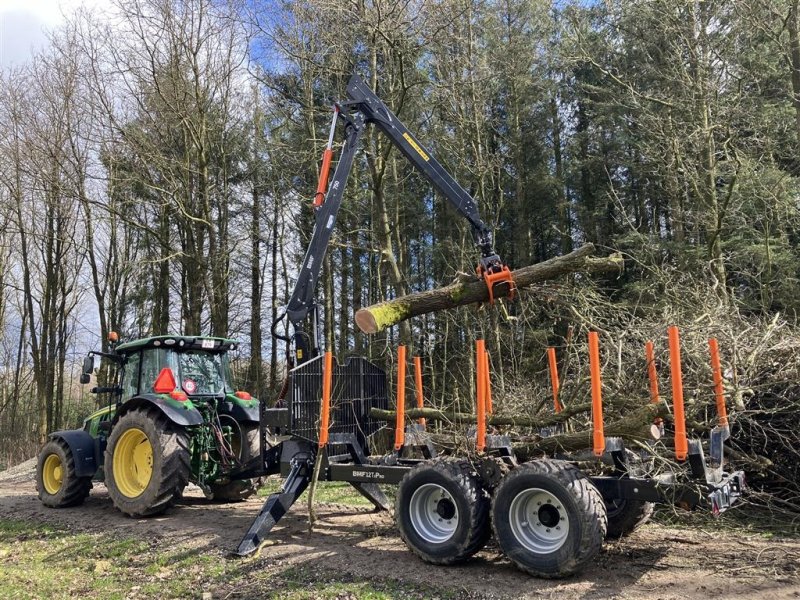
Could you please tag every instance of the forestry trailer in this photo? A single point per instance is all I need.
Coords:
(175, 418)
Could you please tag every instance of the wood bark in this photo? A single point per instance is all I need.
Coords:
(636, 425)
(471, 289)
(461, 418)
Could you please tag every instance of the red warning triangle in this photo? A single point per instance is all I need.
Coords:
(165, 382)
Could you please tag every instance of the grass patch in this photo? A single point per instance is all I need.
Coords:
(44, 562)
(331, 492)
(39, 561)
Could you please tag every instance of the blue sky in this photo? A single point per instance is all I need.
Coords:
(23, 24)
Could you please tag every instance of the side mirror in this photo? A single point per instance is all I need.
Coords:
(88, 366)
(85, 378)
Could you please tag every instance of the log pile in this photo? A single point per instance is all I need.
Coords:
(634, 426)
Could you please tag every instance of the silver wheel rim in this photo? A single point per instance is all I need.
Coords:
(538, 521)
(433, 513)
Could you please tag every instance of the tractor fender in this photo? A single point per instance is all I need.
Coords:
(180, 413)
(239, 412)
(83, 448)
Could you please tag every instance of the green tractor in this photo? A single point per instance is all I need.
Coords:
(174, 417)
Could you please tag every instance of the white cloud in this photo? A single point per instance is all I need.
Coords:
(23, 24)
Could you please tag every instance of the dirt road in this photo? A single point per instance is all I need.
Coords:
(656, 562)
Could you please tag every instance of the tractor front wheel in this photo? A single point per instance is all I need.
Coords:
(146, 462)
(56, 481)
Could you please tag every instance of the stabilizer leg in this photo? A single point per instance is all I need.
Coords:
(374, 494)
(276, 505)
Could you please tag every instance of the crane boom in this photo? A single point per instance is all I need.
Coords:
(361, 108)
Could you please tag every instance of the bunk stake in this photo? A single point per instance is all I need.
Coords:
(681, 443)
(722, 410)
(551, 358)
(418, 384)
(598, 437)
(488, 397)
(399, 428)
(651, 371)
(325, 413)
(480, 363)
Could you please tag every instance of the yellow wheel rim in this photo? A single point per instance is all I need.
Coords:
(133, 462)
(52, 474)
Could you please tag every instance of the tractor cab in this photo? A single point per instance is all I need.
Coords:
(176, 366)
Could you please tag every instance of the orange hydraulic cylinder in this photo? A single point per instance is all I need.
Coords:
(489, 408)
(651, 371)
(327, 376)
(681, 443)
(418, 383)
(551, 358)
(400, 425)
(598, 437)
(722, 410)
(480, 363)
(322, 184)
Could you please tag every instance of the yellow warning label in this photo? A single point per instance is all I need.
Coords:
(415, 146)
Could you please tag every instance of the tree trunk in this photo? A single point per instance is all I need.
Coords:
(471, 290)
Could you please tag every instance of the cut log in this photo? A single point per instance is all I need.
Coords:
(471, 289)
(457, 418)
(635, 425)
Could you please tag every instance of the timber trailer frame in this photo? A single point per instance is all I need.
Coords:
(548, 517)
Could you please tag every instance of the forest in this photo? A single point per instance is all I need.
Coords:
(158, 160)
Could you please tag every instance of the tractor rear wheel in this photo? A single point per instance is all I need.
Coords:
(56, 481)
(146, 462)
(442, 511)
(246, 447)
(548, 518)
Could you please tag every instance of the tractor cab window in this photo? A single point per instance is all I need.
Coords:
(130, 377)
(153, 360)
(196, 372)
(201, 373)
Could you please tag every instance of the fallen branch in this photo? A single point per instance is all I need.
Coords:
(471, 289)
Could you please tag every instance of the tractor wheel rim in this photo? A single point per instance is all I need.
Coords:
(52, 474)
(433, 513)
(133, 463)
(538, 521)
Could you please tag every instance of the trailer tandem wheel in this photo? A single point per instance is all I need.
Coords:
(625, 516)
(548, 518)
(56, 481)
(442, 511)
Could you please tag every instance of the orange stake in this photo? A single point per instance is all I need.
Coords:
(598, 437)
(418, 382)
(551, 357)
(489, 408)
(722, 410)
(400, 425)
(651, 371)
(681, 443)
(480, 363)
(327, 376)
